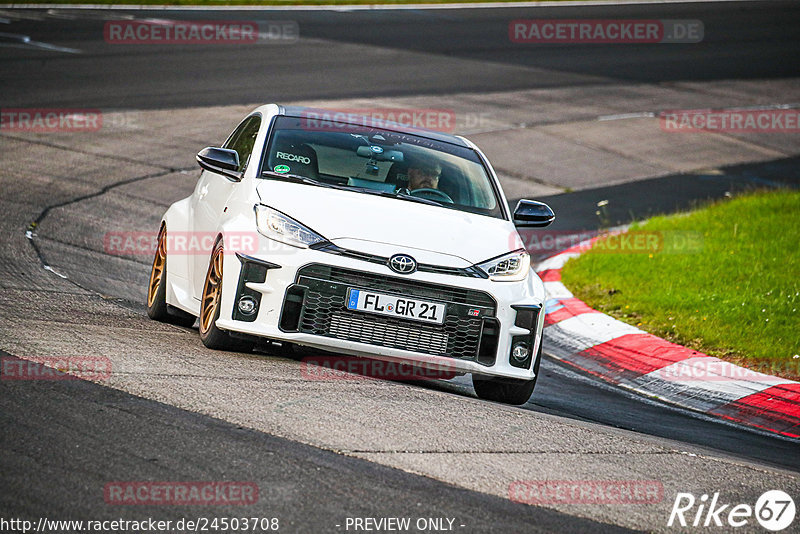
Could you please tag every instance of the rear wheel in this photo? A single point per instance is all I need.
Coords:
(211, 336)
(507, 390)
(157, 307)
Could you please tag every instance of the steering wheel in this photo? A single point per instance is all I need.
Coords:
(431, 194)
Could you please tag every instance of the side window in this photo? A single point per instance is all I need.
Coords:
(243, 139)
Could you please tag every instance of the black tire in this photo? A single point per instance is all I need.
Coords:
(507, 390)
(211, 336)
(157, 307)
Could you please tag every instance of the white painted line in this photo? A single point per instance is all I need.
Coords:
(102, 15)
(557, 261)
(557, 290)
(587, 330)
(42, 46)
(21, 15)
(624, 116)
(569, 343)
(17, 40)
(54, 48)
(48, 268)
(162, 22)
(715, 371)
(18, 37)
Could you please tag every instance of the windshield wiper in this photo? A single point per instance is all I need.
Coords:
(397, 195)
(406, 196)
(296, 178)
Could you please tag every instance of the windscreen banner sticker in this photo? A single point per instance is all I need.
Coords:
(293, 157)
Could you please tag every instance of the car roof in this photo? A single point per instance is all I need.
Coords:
(303, 111)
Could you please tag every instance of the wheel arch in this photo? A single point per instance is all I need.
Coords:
(176, 219)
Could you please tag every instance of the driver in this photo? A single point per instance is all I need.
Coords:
(423, 173)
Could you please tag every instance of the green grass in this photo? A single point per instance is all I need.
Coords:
(736, 297)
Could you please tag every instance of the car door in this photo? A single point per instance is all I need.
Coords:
(211, 196)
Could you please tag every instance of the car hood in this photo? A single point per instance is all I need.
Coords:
(387, 226)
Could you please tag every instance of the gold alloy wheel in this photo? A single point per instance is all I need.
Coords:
(157, 272)
(212, 291)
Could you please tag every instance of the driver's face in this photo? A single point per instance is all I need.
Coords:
(422, 179)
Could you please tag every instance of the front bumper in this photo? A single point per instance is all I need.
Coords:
(300, 297)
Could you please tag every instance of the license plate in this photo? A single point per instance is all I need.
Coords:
(394, 306)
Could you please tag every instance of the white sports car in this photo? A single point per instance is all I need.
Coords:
(363, 238)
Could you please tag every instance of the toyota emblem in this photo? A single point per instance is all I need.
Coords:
(403, 264)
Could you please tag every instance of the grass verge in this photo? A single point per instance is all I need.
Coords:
(724, 280)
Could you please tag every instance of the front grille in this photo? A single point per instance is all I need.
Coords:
(346, 326)
(324, 313)
(403, 286)
(471, 272)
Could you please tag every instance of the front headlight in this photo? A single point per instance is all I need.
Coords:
(511, 267)
(275, 225)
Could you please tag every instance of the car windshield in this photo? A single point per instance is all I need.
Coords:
(381, 162)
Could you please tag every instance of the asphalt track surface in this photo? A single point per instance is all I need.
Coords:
(113, 436)
(142, 439)
(465, 50)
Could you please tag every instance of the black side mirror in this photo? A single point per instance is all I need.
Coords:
(532, 214)
(221, 161)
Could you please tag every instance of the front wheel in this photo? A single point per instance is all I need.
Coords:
(211, 336)
(507, 390)
(157, 307)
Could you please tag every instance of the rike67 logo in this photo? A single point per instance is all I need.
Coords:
(774, 510)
